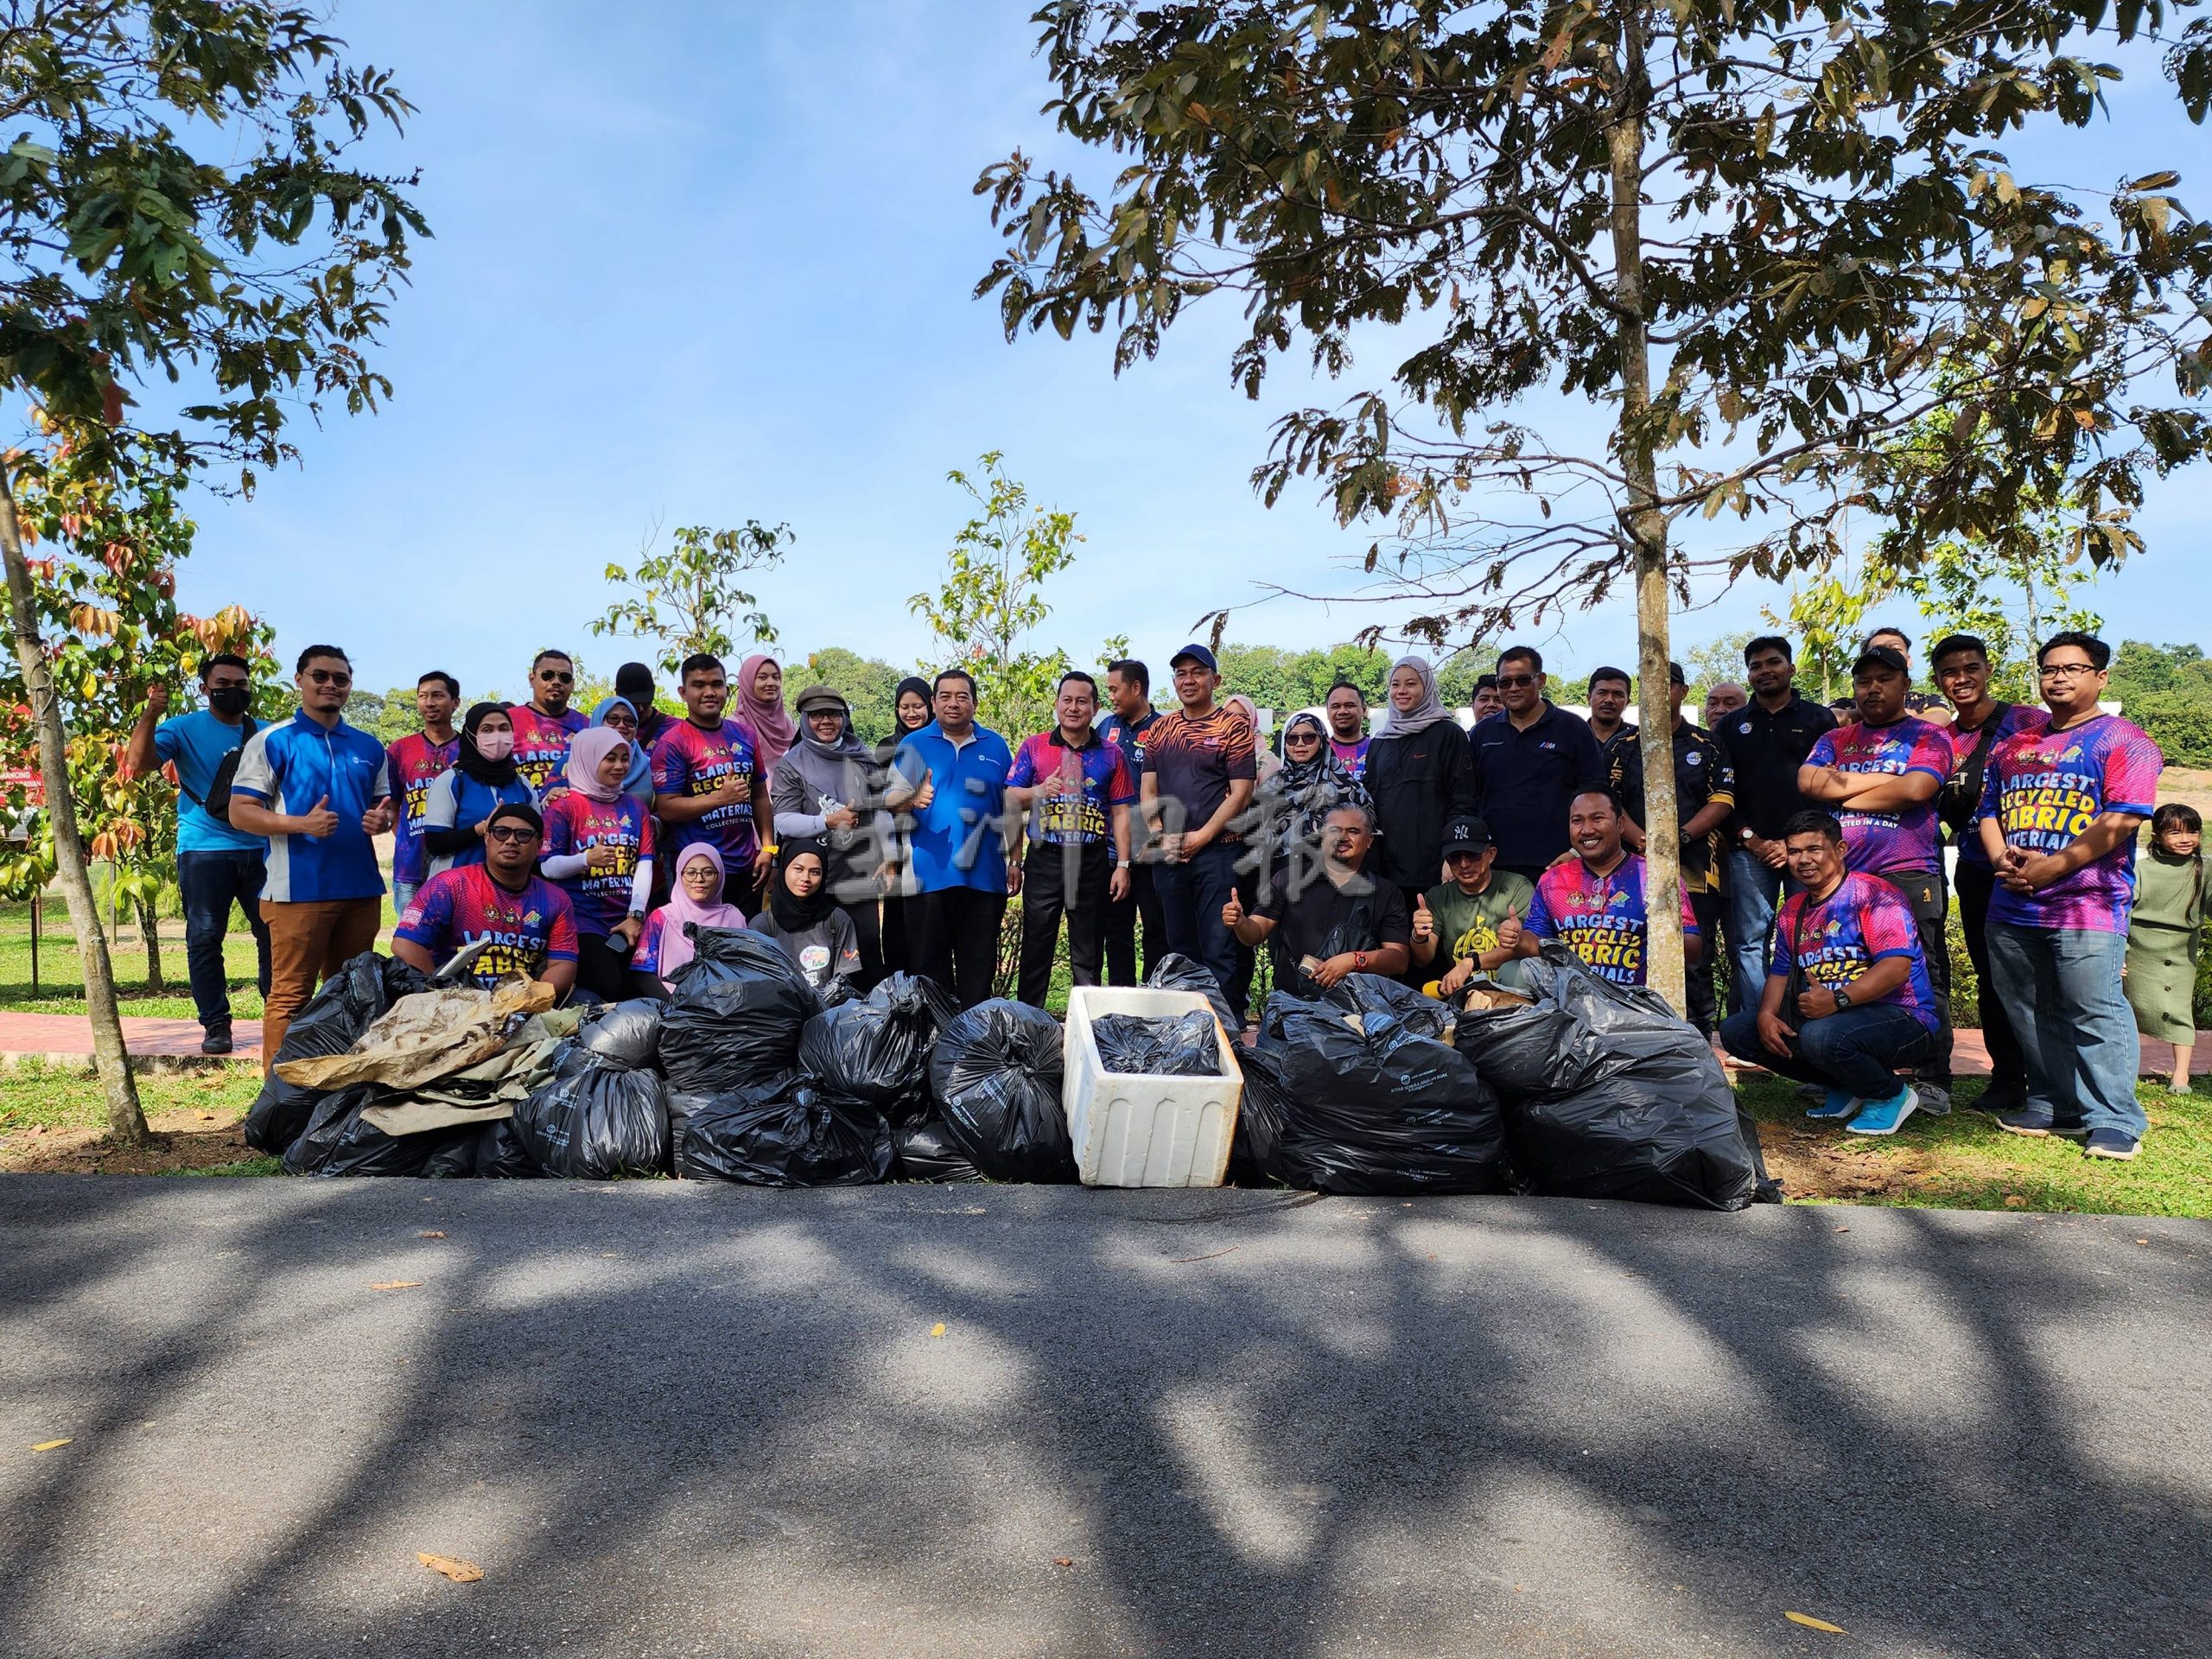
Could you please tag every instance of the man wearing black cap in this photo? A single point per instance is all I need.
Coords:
(1879, 776)
(1200, 767)
(1456, 922)
(1705, 794)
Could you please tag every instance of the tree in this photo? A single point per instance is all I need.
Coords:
(1753, 234)
(255, 268)
(866, 685)
(688, 598)
(1707, 666)
(991, 601)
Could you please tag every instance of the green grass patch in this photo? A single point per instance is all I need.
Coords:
(69, 1098)
(255, 1166)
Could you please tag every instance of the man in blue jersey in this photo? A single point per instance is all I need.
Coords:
(320, 790)
(217, 865)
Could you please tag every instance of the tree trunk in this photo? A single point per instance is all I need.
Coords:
(126, 1123)
(1645, 527)
(150, 930)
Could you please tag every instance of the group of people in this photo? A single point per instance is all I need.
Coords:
(586, 849)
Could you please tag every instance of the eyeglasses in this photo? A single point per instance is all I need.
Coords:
(512, 834)
(702, 873)
(329, 677)
(2068, 670)
(556, 674)
(1505, 680)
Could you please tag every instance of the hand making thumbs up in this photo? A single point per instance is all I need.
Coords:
(320, 820)
(1233, 912)
(1424, 922)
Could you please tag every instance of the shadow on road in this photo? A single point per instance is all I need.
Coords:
(676, 1419)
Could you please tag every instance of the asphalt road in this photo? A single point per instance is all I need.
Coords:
(695, 1419)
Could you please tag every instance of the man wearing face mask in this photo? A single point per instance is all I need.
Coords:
(217, 866)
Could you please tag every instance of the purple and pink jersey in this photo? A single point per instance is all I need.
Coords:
(2018, 717)
(526, 929)
(691, 760)
(575, 823)
(1081, 788)
(416, 763)
(542, 742)
(1354, 755)
(1843, 935)
(1602, 918)
(1905, 840)
(2045, 789)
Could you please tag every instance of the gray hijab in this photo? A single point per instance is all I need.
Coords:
(828, 768)
(1425, 714)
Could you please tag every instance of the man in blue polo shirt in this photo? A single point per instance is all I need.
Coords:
(320, 790)
(950, 777)
(1530, 766)
(217, 866)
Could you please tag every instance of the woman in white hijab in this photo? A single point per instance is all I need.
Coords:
(1422, 775)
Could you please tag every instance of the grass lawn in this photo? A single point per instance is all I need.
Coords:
(52, 1120)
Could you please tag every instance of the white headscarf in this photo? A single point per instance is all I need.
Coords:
(1424, 714)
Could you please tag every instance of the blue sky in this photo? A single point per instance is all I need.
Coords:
(699, 264)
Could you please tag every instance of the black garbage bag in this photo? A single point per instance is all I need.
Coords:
(492, 1152)
(995, 1074)
(877, 1049)
(349, 1002)
(338, 1141)
(738, 1019)
(596, 1120)
(1633, 1105)
(1258, 1156)
(625, 1033)
(1373, 1103)
(1174, 972)
(926, 1154)
(1184, 1046)
(790, 1131)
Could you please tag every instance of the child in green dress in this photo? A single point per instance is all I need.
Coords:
(2163, 934)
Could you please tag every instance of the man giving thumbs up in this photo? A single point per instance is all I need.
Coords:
(1470, 922)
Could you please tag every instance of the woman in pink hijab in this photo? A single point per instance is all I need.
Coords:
(760, 707)
(695, 897)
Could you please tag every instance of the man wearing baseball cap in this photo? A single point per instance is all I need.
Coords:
(1200, 767)
(1879, 776)
(1470, 924)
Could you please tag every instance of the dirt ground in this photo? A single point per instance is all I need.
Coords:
(181, 1140)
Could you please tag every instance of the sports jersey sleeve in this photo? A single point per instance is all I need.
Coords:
(1886, 925)
(1724, 774)
(1538, 922)
(646, 959)
(908, 767)
(1931, 753)
(561, 929)
(1785, 929)
(1689, 916)
(168, 738)
(1240, 751)
(428, 920)
(646, 847)
(442, 805)
(559, 830)
(2132, 766)
(1823, 751)
(256, 777)
(671, 770)
(1022, 774)
(1121, 784)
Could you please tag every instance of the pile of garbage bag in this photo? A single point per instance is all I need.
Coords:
(1183, 1046)
(1607, 1094)
(995, 1081)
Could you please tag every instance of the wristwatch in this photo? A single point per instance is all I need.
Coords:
(1359, 962)
(1842, 997)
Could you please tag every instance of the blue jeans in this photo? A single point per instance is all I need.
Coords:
(1754, 892)
(403, 894)
(1857, 1050)
(2078, 1034)
(1190, 898)
(212, 883)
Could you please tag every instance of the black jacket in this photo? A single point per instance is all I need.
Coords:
(1419, 783)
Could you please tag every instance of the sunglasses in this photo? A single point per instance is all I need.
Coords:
(556, 674)
(329, 677)
(1505, 680)
(513, 834)
(1303, 737)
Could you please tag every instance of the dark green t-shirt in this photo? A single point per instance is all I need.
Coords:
(1467, 925)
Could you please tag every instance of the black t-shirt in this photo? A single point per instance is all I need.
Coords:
(1325, 918)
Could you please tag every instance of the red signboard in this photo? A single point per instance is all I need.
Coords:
(25, 778)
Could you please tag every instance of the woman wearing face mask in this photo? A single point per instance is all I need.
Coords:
(825, 789)
(696, 901)
(910, 712)
(1422, 775)
(805, 920)
(599, 846)
(459, 805)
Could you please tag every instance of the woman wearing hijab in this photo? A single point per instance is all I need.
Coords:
(599, 847)
(619, 715)
(696, 901)
(1263, 757)
(759, 709)
(910, 712)
(459, 805)
(807, 922)
(1293, 799)
(1422, 775)
(825, 788)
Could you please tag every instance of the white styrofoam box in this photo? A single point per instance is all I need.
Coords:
(1132, 1130)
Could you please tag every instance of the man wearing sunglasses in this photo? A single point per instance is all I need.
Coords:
(2060, 807)
(1530, 766)
(545, 723)
(321, 790)
(526, 922)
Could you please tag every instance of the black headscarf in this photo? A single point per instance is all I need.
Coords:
(794, 914)
(492, 774)
(912, 682)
